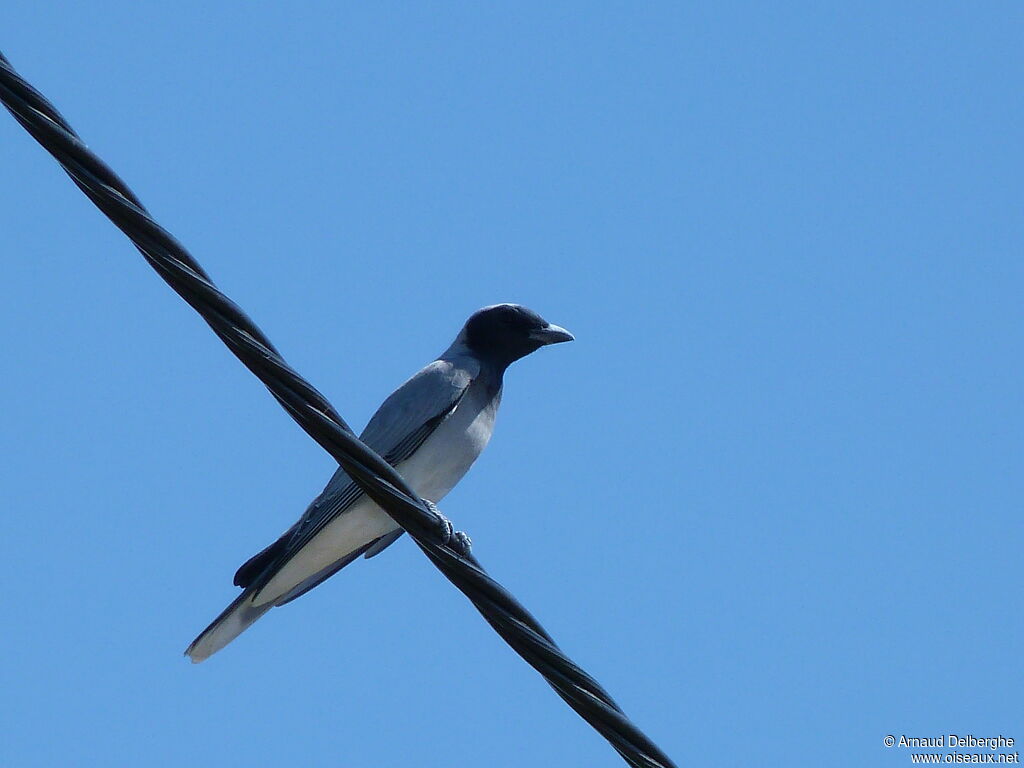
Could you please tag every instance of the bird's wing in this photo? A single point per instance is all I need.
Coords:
(400, 426)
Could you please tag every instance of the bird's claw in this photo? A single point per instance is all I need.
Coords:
(447, 535)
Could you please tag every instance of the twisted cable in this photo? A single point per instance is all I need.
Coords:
(311, 410)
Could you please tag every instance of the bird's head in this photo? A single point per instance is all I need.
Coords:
(503, 333)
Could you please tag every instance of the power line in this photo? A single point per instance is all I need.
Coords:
(318, 418)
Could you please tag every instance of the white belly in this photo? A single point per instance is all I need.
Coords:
(432, 471)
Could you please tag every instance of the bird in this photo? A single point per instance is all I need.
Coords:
(431, 429)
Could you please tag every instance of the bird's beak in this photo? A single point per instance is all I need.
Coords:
(551, 334)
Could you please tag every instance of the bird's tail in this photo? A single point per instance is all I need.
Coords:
(235, 619)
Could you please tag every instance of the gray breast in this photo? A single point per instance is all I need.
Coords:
(448, 453)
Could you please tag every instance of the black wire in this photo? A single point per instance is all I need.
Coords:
(317, 417)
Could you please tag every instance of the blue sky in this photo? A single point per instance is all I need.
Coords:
(770, 497)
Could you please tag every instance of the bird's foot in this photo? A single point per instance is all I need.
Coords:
(465, 544)
(447, 535)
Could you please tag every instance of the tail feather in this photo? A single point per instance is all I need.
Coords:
(232, 622)
(245, 610)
